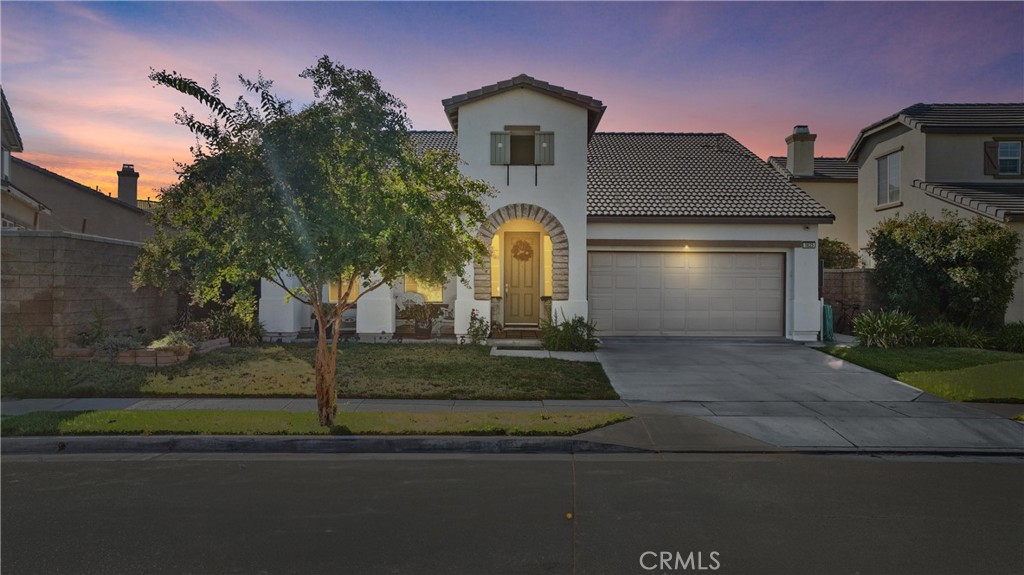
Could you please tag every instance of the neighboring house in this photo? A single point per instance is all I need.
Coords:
(80, 209)
(644, 233)
(20, 210)
(832, 182)
(965, 158)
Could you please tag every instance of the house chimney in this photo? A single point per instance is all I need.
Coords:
(128, 185)
(800, 151)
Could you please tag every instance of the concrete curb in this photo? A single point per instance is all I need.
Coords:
(409, 444)
(301, 444)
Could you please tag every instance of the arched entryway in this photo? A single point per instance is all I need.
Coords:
(529, 261)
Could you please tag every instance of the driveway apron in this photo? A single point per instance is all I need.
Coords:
(789, 395)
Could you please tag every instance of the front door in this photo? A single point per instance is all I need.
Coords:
(522, 278)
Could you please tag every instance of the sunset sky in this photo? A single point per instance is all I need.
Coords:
(75, 74)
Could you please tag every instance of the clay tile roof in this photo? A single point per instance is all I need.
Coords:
(1000, 201)
(594, 107)
(825, 169)
(688, 176)
(435, 140)
(950, 118)
(643, 175)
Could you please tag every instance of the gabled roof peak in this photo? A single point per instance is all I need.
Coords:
(595, 109)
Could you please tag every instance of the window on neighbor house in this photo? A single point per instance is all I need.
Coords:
(889, 179)
(335, 290)
(522, 146)
(1003, 158)
(431, 292)
(1009, 158)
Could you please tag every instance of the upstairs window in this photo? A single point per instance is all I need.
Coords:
(889, 179)
(522, 146)
(1003, 158)
(1009, 158)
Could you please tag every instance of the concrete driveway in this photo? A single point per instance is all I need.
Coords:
(792, 396)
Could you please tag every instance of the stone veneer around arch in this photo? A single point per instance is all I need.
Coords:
(559, 248)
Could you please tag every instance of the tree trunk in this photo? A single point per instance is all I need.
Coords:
(326, 394)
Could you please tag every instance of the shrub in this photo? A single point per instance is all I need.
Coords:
(945, 334)
(885, 329)
(199, 330)
(240, 330)
(576, 334)
(111, 345)
(478, 328)
(951, 268)
(836, 254)
(26, 350)
(1010, 337)
(176, 339)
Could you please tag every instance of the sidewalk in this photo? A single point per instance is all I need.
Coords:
(663, 427)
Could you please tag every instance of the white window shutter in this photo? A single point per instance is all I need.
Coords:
(501, 148)
(544, 148)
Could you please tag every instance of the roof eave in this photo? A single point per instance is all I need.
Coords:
(711, 219)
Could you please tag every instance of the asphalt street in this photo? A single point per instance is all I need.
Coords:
(777, 513)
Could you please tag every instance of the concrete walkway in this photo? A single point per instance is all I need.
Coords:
(656, 426)
(790, 396)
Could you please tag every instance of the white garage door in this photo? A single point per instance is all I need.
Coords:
(711, 294)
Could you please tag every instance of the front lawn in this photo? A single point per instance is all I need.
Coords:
(405, 371)
(281, 423)
(957, 374)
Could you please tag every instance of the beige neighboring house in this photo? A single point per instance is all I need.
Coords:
(20, 210)
(832, 182)
(965, 158)
(80, 209)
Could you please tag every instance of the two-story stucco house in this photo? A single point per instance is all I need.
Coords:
(19, 209)
(965, 158)
(642, 233)
(832, 182)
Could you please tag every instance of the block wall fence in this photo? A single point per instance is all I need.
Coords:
(55, 283)
(852, 287)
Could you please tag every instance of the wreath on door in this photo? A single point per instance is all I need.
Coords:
(522, 251)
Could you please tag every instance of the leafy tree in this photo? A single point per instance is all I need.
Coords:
(948, 268)
(837, 254)
(332, 193)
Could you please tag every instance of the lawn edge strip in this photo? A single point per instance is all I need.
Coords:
(276, 423)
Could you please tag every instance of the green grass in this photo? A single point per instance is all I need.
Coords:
(408, 371)
(958, 374)
(1001, 382)
(280, 423)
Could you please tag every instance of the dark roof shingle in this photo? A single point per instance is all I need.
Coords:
(1000, 201)
(688, 176)
(824, 169)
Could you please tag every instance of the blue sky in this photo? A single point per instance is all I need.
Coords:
(75, 73)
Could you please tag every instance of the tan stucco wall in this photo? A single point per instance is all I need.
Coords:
(841, 200)
(912, 164)
(71, 205)
(961, 158)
